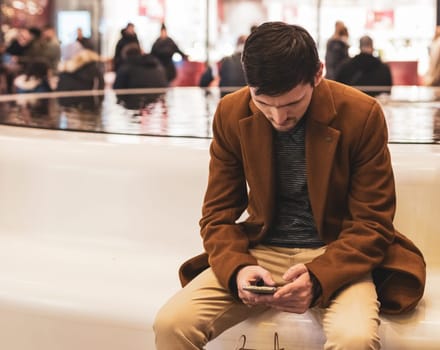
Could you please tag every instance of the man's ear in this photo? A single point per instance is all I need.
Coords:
(319, 74)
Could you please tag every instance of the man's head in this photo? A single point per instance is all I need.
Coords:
(282, 67)
(339, 25)
(366, 44)
(277, 57)
(49, 33)
(129, 29)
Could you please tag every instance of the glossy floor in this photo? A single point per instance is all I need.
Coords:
(412, 113)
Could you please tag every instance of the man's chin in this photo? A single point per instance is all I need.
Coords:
(284, 128)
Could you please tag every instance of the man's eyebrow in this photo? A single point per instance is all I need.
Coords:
(284, 105)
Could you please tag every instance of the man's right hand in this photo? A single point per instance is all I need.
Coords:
(250, 275)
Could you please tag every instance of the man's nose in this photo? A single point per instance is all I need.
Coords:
(279, 115)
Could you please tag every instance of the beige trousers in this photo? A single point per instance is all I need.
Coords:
(203, 309)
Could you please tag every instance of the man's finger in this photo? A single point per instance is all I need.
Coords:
(294, 272)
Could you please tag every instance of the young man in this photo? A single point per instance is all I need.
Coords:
(307, 159)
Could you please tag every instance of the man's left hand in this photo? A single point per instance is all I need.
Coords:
(295, 296)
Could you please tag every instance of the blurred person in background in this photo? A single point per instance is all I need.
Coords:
(231, 70)
(4, 80)
(231, 74)
(81, 69)
(6, 71)
(432, 76)
(208, 77)
(365, 69)
(50, 48)
(24, 45)
(336, 50)
(164, 48)
(128, 36)
(138, 70)
(35, 77)
(24, 42)
(84, 41)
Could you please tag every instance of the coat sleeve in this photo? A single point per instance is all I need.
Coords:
(225, 241)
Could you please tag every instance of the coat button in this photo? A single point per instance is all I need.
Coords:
(328, 139)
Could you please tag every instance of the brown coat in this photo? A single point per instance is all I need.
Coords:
(351, 190)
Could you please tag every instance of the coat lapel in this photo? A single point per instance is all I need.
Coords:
(257, 136)
(321, 143)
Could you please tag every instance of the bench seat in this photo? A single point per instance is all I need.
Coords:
(94, 227)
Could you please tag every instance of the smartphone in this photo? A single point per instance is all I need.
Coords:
(260, 289)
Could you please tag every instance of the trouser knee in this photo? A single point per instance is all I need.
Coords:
(177, 331)
(163, 325)
(349, 339)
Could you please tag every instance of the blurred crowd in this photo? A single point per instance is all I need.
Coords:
(366, 70)
(33, 60)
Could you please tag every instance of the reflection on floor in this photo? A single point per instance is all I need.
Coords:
(413, 113)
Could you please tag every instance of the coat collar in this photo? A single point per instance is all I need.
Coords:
(321, 142)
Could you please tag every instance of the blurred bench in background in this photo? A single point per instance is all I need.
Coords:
(404, 72)
(188, 73)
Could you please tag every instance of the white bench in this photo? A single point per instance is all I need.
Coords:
(93, 229)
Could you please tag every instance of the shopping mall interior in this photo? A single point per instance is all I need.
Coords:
(102, 188)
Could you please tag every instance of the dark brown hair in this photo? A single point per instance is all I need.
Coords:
(279, 56)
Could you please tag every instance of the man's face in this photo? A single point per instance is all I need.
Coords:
(284, 111)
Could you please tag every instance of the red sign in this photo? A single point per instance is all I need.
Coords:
(383, 19)
(154, 9)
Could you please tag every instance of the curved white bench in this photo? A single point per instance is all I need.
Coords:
(93, 229)
(417, 174)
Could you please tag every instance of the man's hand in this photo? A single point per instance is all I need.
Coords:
(251, 275)
(297, 294)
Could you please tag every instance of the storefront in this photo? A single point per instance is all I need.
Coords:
(208, 29)
(402, 29)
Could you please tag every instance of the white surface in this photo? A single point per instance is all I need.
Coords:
(94, 227)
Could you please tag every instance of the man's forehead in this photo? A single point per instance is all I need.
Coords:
(292, 96)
